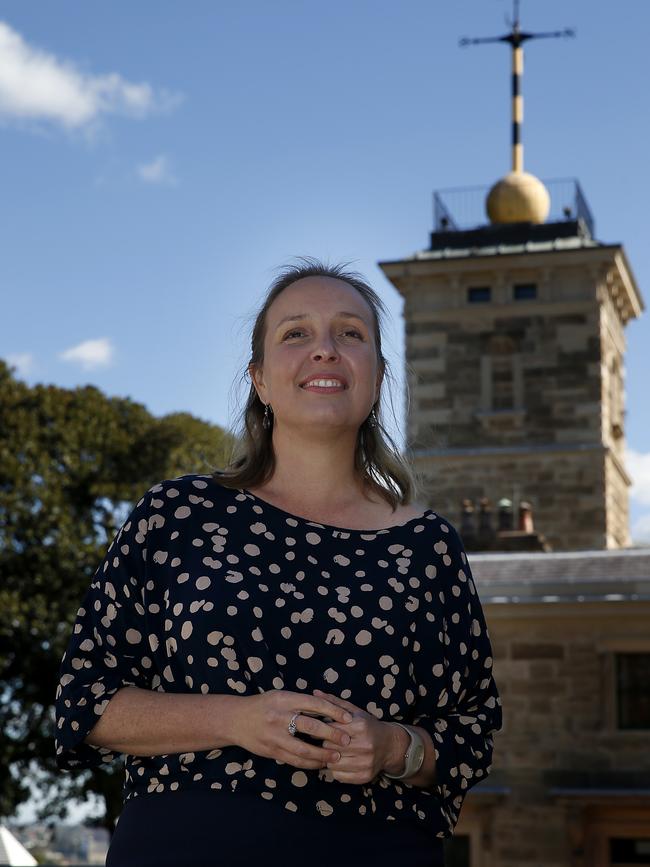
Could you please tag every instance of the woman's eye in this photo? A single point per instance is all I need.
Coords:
(292, 333)
(299, 331)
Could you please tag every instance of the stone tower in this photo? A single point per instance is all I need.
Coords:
(515, 349)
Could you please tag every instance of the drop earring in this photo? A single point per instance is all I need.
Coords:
(372, 419)
(268, 412)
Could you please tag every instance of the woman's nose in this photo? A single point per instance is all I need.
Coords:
(325, 348)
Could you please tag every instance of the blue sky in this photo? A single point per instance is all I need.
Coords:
(160, 160)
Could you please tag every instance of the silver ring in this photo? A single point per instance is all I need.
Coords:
(292, 724)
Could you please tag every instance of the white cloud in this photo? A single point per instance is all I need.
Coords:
(35, 85)
(22, 361)
(90, 353)
(158, 171)
(638, 466)
(640, 531)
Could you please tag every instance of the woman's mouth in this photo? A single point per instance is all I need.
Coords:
(324, 385)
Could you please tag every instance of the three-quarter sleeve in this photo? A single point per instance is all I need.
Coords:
(106, 650)
(459, 704)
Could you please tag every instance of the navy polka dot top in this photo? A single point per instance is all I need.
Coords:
(206, 589)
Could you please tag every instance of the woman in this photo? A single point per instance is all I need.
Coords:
(289, 652)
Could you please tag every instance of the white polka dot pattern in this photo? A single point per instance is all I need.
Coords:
(210, 590)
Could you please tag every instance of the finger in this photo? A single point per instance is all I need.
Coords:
(343, 776)
(300, 751)
(331, 708)
(341, 702)
(320, 730)
(335, 745)
(295, 761)
(309, 758)
(347, 768)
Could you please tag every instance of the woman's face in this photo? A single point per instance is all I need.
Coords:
(319, 328)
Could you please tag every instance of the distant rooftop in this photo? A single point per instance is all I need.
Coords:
(563, 576)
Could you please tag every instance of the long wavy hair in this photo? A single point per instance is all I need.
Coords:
(377, 460)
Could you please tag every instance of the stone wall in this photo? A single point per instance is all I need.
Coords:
(565, 489)
(557, 359)
(617, 484)
(522, 399)
(553, 665)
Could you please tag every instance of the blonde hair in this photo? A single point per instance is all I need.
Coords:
(376, 460)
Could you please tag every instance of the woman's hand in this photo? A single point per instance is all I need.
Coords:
(263, 727)
(367, 753)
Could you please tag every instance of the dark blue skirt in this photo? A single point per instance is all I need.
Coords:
(203, 828)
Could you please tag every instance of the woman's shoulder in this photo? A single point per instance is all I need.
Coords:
(189, 489)
(443, 534)
(406, 512)
(184, 482)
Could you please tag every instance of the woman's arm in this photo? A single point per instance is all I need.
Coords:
(458, 702)
(395, 762)
(109, 647)
(142, 722)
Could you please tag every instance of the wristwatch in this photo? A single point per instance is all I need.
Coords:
(414, 755)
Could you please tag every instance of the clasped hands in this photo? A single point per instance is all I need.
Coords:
(368, 751)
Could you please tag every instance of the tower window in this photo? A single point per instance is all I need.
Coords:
(501, 376)
(479, 294)
(615, 399)
(502, 383)
(633, 687)
(525, 291)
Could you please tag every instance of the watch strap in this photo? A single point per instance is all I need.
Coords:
(413, 757)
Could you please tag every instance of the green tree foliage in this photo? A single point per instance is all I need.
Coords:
(72, 463)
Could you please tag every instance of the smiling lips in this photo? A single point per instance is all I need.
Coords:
(324, 384)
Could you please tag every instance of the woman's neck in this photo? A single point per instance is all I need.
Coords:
(312, 471)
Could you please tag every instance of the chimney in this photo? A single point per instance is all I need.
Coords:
(526, 517)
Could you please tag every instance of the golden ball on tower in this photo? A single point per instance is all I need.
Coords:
(518, 198)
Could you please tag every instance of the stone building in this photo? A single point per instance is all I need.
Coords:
(515, 351)
(515, 354)
(570, 782)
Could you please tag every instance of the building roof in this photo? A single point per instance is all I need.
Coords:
(563, 576)
(503, 249)
(599, 782)
(514, 238)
